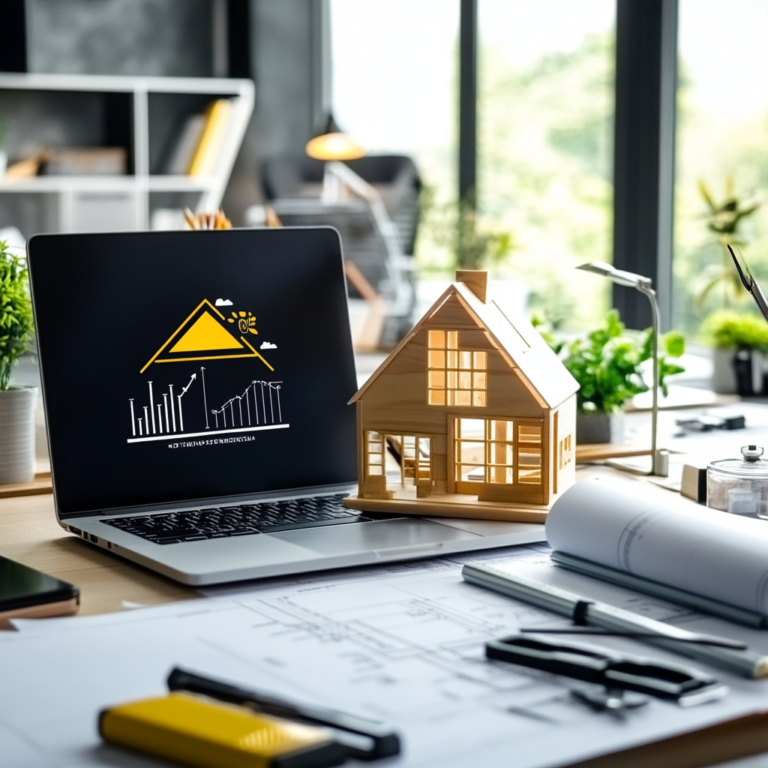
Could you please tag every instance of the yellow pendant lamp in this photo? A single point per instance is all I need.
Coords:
(333, 144)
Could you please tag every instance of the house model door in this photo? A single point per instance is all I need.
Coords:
(413, 456)
(415, 461)
(500, 459)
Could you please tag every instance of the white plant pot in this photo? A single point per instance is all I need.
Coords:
(3, 163)
(17, 434)
(723, 375)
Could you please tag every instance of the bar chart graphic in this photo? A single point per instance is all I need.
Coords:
(182, 410)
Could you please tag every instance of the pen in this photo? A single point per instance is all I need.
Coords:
(593, 613)
(370, 740)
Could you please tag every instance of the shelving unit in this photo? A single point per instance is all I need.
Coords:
(143, 115)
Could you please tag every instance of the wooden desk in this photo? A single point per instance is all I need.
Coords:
(30, 534)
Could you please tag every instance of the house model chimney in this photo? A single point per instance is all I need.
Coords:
(476, 280)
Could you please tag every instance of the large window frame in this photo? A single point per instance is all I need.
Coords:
(644, 144)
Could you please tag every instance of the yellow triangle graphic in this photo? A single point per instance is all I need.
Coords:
(202, 339)
(206, 334)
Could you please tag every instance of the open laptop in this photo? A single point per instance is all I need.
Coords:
(196, 388)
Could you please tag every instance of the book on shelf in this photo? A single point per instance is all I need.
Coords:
(217, 119)
(84, 161)
(184, 150)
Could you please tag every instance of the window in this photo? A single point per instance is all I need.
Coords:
(501, 451)
(529, 454)
(455, 376)
(565, 452)
(545, 145)
(722, 104)
(497, 451)
(394, 89)
(375, 454)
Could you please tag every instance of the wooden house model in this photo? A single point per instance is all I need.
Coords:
(477, 409)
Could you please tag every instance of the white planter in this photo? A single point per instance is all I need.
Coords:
(17, 434)
(723, 376)
(3, 163)
(724, 379)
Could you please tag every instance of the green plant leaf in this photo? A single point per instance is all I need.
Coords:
(674, 344)
(16, 323)
(608, 364)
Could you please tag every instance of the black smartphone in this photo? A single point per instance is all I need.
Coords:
(27, 593)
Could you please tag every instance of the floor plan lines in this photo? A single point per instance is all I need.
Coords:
(185, 411)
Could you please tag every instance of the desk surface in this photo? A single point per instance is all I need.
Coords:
(30, 534)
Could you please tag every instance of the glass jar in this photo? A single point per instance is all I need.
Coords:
(739, 486)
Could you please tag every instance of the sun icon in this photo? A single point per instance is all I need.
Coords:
(245, 322)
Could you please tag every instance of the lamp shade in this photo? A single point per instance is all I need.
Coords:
(333, 144)
(619, 276)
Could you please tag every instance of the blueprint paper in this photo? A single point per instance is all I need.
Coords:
(665, 538)
(402, 643)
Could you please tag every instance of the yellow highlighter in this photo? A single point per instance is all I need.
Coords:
(196, 731)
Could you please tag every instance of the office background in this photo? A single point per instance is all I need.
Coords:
(582, 128)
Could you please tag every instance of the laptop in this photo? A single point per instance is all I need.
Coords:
(196, 388)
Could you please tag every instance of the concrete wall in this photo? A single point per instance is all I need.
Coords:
(120, 37)
(176, 38)
(286, 55)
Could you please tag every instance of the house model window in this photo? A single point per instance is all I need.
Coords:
(497, 451)
(455, 376)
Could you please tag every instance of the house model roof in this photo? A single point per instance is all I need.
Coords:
(519, 343)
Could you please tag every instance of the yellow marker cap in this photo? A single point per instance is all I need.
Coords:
(197, 731)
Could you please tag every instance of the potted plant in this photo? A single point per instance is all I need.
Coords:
(739, 341)
(608, 364)
(474, 242)
(17, 404)
(724, 219)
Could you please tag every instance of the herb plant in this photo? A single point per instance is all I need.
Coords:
(15, 312)
(608, 364)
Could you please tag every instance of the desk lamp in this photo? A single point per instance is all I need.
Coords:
(659, 459)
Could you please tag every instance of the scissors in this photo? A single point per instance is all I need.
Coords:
(750, 283)
(616, 672)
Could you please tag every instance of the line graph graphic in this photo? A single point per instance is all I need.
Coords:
(163, 414)
(266, 408)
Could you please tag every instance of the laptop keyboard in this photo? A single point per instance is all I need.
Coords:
(241, 520)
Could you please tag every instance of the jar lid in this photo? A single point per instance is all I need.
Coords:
(750, 465)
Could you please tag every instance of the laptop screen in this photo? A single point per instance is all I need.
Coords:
(180, 366)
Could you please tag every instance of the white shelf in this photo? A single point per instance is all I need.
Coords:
(91, 203)
(125, 84)
(157, 183)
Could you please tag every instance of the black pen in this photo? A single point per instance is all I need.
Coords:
(378, 740)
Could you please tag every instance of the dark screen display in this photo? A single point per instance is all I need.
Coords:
(187, 365)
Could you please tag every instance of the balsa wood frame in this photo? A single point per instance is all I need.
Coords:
(479, 409)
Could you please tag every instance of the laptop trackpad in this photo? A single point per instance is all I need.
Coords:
(379, 536)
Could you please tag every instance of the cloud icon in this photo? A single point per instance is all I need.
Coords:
(223, 303)
(268, 345)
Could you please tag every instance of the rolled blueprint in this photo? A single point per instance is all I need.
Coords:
(632, 528)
